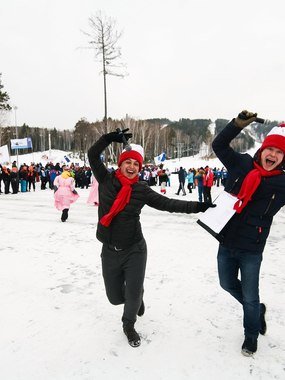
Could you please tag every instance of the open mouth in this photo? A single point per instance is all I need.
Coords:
(270, 162)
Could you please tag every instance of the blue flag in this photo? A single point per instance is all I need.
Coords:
(160, 158)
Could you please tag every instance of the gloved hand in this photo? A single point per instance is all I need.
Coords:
(244, 118)
(55, 188)
(75, 192)
(118, 136)
(203, 206)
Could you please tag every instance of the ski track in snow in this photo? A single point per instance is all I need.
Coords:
(56, 322)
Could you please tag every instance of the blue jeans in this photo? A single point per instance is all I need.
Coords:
(200, 193)
(245, 289)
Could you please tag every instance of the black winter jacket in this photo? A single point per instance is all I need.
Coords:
(125, 228)
(249, 229)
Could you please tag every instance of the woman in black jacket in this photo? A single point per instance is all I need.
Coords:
(259, 184)
(124, 251)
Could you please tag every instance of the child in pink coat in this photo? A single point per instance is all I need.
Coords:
(64, 192)
(93, 197)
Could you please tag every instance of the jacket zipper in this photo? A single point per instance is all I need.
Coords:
(269, 204)
(259, 228)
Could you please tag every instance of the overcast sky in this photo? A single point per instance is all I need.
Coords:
(185, 59)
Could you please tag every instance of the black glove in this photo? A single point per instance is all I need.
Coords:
(55, 188)
(245, 118)
(118, 136)
(203, 206)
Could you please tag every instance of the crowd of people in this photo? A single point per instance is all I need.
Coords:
(202, 178)
(24, 178)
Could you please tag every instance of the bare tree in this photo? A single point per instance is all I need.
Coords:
(104, 40)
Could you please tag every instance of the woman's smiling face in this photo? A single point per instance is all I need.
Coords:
(271, 158)
(130, 168)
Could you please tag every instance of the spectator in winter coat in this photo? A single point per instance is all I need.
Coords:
(14, 176)
(44, 178)
(224, 176)
(208, 183)
(93, 197)
(64, 192)
(31, 178)
(190, 180)
(124, 251)
(259, 184)
(163, 181)
(217, 176)
(181, 178)
(53, 172)
(199, 181)
(23, 175)
(6, 175)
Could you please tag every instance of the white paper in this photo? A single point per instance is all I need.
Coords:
(216, 218)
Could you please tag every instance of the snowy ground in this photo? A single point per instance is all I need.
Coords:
(56, 322)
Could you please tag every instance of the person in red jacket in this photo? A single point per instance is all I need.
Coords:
(208, 183)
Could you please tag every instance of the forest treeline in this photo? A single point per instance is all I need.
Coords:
(177, 139)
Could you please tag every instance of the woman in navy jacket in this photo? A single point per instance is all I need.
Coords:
(259, 184)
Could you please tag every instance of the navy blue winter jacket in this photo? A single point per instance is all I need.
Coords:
(249, 229)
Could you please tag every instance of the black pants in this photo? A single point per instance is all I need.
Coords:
(207, 194)
(123, 273)
(181, 187)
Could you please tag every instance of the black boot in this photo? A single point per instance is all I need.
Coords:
(133, 337)
(64, 215)
(263, 326)
(141, 309)
(249, 346)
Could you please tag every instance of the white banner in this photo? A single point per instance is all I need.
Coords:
(21, 143)
(4, 154)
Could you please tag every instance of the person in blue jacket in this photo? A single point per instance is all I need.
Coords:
(259, 184)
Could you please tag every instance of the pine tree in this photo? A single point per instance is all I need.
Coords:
(4, 98)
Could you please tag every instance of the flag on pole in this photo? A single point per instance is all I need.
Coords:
(159, 159)
(4, 154)
(29, 142)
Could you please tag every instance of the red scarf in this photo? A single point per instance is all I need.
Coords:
(250, 184)
(122, 199)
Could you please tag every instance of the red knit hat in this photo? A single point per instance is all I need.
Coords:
(136, 153)
(275, 138)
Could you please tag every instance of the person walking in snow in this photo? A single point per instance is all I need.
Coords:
(259, 184)
(93, 197)
(124, 252)
(64, 192)
(181, 178)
